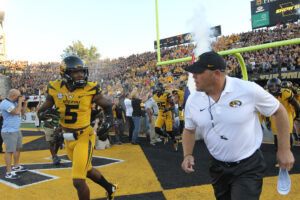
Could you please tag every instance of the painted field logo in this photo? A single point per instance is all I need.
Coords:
(35, 176)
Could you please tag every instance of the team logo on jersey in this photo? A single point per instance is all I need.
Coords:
(71, 96)
(235, 103)
(60, 95)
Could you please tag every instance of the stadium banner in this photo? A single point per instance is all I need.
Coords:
(283, 11)
(260, 20)
(282, 75)
(184, 38)
(259, 15)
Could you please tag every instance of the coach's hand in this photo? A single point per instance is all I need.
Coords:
(188, 163)
(285, 159)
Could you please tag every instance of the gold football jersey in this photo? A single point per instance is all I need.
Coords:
(162, 101)
(285, 98)
(181, 97)
(74, 107)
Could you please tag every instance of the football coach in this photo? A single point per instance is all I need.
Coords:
(225, 110)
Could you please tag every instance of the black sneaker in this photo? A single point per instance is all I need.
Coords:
(56, 160)
(112, 195)
(20, 168)
(12, 175)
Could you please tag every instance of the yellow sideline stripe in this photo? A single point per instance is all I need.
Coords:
(31, 129)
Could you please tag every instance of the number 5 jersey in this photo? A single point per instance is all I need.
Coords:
(75, 106)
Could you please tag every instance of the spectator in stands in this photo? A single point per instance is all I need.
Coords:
(120, 121)
(137, 112)
(128, 113)
(11, 109)
(152, 113)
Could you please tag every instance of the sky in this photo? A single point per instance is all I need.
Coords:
(39, 30)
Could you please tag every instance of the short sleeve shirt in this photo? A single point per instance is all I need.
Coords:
(234, 116)
(152, 105)
(11, 122)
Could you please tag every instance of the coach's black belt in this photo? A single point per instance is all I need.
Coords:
(232, 164)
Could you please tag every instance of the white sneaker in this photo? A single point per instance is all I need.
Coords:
(158, 140)
(19, 169)
(284, 182)
(12, 175)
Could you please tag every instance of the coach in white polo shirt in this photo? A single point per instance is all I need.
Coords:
(225, 110)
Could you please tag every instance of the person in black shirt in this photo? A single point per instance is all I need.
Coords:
(137, 112)
(120, 121)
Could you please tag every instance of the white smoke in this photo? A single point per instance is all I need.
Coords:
(201, 31)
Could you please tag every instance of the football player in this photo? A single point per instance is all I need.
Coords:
(165, 106)
(287, 99)
(296, 91)
(180, 92)
(73, 96)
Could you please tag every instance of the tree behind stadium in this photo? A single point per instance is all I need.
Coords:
(78, 49)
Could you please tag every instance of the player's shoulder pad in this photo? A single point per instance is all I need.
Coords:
(93, 87)
(288, 94)
(54, 85)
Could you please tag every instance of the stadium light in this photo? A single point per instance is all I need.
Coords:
(235, 52)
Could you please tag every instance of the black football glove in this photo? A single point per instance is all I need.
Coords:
(102, 132)
(49, 114)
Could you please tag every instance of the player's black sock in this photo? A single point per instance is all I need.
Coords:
(103, 182)
(172, 135)
(181, 126)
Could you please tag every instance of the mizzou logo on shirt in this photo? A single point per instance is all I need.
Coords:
(235, 103)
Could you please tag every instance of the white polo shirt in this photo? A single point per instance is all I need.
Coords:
(235, 118)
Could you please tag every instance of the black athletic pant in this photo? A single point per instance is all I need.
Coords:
(130, 126)
(238, 181)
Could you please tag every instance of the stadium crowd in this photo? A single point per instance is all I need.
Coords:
(119, 77)
(118, 74)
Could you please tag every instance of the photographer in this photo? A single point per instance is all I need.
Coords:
(11, 109)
